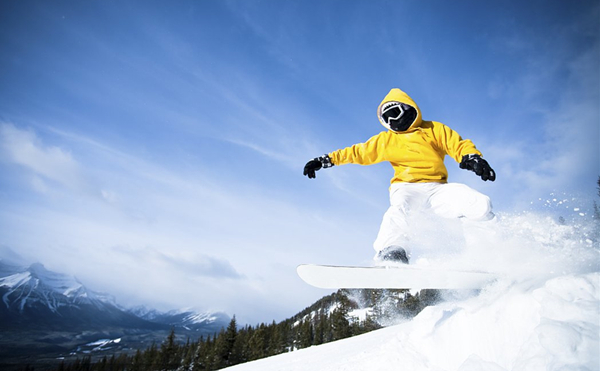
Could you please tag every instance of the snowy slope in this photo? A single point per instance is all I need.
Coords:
(542, 314)
(516, 327)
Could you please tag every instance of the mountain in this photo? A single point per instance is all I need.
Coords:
(45, 314)
(187, 320)
(34, 298)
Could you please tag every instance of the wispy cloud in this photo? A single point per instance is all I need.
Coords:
(192, 263)
(166, 153)
(559, 149)
(172, 235)
(24, 148)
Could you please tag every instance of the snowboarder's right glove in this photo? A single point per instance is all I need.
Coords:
(316, 164)
(478, 165)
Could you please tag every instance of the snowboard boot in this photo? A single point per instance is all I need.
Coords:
(393, 254)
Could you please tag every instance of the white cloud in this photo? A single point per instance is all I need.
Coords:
(162, 235)
(52, 163)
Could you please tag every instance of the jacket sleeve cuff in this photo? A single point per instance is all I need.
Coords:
(326, 161)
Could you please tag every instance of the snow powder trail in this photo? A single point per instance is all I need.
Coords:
(542, 314)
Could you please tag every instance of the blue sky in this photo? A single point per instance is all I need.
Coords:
(155, 149)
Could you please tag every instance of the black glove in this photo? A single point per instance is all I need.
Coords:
(480, 166)
(316, 164)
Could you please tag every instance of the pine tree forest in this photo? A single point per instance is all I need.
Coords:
(327, 320)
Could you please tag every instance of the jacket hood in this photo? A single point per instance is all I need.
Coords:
(397, 95)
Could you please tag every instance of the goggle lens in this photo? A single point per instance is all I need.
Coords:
(393, 113)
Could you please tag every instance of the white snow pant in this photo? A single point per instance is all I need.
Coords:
(449, 200)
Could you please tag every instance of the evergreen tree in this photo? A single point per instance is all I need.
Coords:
(150, 357)
(188, 355)
(340, 325)
(412, 304)
(201, 354)
(137, 363)
(86, 364)
(209, 354)
(169, 354)
(230, 339)
(224, 345)
(112, 364)
(305, 334)
(321, 327)
(258, 343)
(240, 351)
(370, 324)
(101, 366)
(219, 354)
(278, 335)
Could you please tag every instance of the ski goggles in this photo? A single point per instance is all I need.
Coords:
(393, 111)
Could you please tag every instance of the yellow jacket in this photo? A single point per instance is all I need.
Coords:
(417, 154)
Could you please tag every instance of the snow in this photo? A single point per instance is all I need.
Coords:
(36, 284)
(542, 314)
(205, 317)
(508, 327)
(36, 274)
(97, 346)
(360, 314)
(14, 280)
(103, 342)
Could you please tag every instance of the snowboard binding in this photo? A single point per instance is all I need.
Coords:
(394, 254)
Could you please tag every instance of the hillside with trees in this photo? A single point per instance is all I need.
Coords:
(340, 315)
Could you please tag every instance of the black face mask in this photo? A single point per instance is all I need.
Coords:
(399, 117)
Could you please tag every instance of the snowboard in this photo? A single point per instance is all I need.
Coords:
(391, 277)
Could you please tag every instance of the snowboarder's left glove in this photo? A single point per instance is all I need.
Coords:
(316, 164)
(480, 166)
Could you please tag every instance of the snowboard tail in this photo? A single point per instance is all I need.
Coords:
(392, 277)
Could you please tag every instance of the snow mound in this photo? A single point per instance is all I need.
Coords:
(543, 313)
(512, 327)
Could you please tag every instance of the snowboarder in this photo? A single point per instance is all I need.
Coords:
(416, 149)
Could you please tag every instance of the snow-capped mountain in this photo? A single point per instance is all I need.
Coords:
(187, 319)
(34, 296)
(50, 314)
(35, 285)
